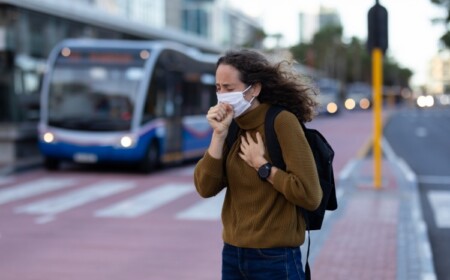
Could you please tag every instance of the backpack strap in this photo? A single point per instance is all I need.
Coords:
(272, 144)
(233, 132)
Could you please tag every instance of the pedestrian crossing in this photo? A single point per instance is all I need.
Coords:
(64, 194)
(30, 189)
(73, 199)
(146, 202)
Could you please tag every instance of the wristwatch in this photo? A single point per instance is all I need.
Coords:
(264, 171)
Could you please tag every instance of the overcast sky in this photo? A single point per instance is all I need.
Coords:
(413, 40)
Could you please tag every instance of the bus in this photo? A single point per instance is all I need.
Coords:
(127, 102)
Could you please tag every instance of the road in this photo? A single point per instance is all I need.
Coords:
(107, 223)
(422, 139)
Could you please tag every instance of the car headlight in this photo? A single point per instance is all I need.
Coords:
(364, 103)
(332, 108)
(350, 104)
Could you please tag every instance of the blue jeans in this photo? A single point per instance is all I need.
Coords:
(262, 264)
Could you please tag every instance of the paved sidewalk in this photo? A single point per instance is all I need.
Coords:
(20, 165)
(375, 233)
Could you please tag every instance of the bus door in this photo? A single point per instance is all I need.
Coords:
(173, 113)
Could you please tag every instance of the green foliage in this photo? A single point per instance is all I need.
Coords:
(347, 62)
(445, 4)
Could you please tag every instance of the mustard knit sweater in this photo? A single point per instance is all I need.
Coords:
(255, 213)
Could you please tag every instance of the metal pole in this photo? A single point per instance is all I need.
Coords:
(377, 76)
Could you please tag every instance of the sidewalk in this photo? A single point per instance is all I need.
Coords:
(375, 233)
(20, 165)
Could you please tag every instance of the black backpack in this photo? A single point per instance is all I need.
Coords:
(323, 156)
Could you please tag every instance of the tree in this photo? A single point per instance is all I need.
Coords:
(445, 38)
(346, 62)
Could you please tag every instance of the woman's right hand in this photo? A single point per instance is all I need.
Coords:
(220, 117)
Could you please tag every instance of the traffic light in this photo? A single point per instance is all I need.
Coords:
(378, 28)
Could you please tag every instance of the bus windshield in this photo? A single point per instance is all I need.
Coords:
(94, 91)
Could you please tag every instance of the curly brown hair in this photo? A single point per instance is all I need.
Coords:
(281, 84)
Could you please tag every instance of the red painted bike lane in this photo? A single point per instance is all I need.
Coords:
(158, 245)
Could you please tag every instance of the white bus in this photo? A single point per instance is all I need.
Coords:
(129, 102)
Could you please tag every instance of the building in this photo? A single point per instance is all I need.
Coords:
(439, 73)
(311, 22)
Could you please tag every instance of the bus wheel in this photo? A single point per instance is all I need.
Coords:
(51, 163)
(151, 160)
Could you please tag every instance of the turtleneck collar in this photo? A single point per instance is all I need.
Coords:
(253, 118)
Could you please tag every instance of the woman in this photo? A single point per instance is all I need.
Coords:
(262, 226)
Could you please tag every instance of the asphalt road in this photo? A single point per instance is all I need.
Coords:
(422, 139)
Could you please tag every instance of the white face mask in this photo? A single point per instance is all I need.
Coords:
(237, 100)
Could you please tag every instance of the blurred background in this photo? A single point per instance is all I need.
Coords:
(92, 91)
(327, 39)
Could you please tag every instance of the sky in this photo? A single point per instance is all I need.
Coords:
(413, 39)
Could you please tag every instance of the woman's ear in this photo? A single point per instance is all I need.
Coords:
(256, 89)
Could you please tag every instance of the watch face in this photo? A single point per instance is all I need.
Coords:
(264, 171)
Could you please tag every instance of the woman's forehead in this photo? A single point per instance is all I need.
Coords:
(227, 74)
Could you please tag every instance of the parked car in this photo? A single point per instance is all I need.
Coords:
(328, 96)
(358, 96)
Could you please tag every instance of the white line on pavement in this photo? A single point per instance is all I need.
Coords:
(30, 189)
(209, 209)
(146, 202)
(76, 198)
(347, 170)
(440, 203)
(437, 180)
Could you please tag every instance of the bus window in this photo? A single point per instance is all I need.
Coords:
(94, 91)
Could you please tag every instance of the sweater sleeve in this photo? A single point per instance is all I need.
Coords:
(209, 177)
(299, 183)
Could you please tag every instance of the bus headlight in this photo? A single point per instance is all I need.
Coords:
(48, 137)
(126, 141)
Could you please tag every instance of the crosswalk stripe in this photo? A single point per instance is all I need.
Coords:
(146, 202)
(440, 203)
(208, 209)
(76, 198)
(30, 189)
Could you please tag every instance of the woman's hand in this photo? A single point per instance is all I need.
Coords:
(252, 152)
(220, 117)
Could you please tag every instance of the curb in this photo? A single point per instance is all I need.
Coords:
(420, 228)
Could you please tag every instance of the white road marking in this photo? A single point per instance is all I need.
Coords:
(437, 180)
(421, 131)
(208, 209)
(146, 202)
(76, 198)
(30, 189)
(440, 203)
(348, 170)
